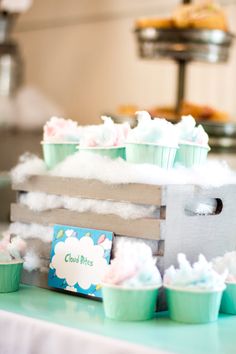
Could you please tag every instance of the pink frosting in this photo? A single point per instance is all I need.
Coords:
(133, 266)
(61, 130)
(108, 134)
(4, 242)
(118, 272)
(231, 278)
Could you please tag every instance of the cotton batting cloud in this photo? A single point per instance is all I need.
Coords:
(41, 201)
(73, 272)
(31, 261)
(91, 166)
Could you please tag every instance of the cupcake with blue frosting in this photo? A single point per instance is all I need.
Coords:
(194, 292)
(153, 141)
(193, 143)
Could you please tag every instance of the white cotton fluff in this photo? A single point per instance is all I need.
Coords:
(28, 165)
(201, 206)
(200, 275)
(226, 263)
(31, 261)
(38, 201)
(91, 166)
(25, 231)
(42, 201)
(119, 241)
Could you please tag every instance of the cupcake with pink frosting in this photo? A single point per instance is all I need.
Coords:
(11, 263)
(193, 143)
(60, 139)
(130, 284)
(107, 139)
(58, 130)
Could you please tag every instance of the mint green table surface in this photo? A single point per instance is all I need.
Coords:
(160, 333)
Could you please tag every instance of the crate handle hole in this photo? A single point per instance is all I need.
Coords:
(203, 206)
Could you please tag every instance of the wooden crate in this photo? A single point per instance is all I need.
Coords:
(173, 231)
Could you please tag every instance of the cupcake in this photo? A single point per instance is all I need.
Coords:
(107, 139)
(153, 141)
(193, 143)
(227, 263)
(60, 139)
(11, 263)
(130, 284)
(193, 292)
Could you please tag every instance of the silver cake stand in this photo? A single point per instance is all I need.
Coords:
(184, 46)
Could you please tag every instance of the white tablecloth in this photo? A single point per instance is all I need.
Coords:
(24, 335)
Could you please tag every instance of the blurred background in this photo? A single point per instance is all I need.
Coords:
(79, 59)
(82, 54)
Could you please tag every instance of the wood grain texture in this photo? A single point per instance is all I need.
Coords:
(141, 228)
(92, 189)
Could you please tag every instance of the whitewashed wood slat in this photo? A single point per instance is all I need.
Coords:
(212, 235)
(146, 228)
(93, 189)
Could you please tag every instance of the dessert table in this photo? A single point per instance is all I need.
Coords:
(35, 320)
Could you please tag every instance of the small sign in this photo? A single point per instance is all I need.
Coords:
(78, 259)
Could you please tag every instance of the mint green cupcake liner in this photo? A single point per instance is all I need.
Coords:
(161, 156)
(54, 153)
(124, 304)
(111, 152)
(191, 155)
(10, 274)
(193, 306)
(228, 303)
